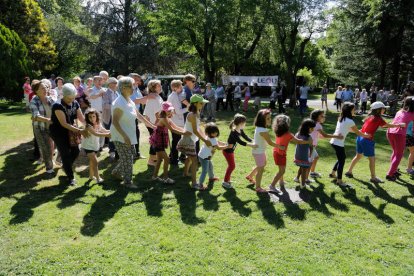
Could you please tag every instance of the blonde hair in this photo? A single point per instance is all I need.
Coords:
(176, 83)
(152, 84)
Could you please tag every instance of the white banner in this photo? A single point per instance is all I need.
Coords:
(260, 80)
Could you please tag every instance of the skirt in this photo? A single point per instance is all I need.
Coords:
(187, 146)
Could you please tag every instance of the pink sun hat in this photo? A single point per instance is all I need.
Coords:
(167, 106)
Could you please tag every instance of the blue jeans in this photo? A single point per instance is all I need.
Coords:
(206, 166)
(302, 105)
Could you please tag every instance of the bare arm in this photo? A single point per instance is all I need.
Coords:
(359, 133)
(300, 141)
(389, 125)
(80, 116)
(326, 135)
(62, 120)
(96, 133)
(145, 120)
(267, 138)
(192, 119)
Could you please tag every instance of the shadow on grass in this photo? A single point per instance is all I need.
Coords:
(22, 210)
(237, 204)
(16, 166)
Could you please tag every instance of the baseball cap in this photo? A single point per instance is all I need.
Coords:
(167, 106)
(378, 105)
(196, 98)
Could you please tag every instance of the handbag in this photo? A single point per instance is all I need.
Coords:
(74, 138)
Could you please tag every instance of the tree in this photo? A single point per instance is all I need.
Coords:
(26, 19)
(13, 65)
(295, 22)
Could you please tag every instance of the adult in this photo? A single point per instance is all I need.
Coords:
(210, 107)
(280, 99)
(303, 98)
(63, 129)
(373, 94)
(140, 100)
(364, 100)
(105, 77)
(347, 95)
(247, 96)
(324, 96)
(27, 89)
(124, 115)
(59, 86)
(175, 98)
(80, 94)
(229, 96)
(49, 90)
(107, 99)
(220, 97)
(189, 83)
(52, 81)
(153, 107)
(41, 108)
(338, 98)
(237, 95)
(95, 95)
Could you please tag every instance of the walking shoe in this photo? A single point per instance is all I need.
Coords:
(227, 185)
(315, 175)
(156, 178)
(275, 190)
(100, 180)
(376, 180)
(331, 175)
(112, 155)
(168, 180)
(72, 182)
(309, 181)
(410, 171)
(345, 185)
(349, 174)
(198, 187)
(391, 177)
(50, 171)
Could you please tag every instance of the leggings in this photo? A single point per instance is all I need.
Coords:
(67, 153)
(43, 140)
(231, 165)
(397, 142)
(125, 162)
(340, 163)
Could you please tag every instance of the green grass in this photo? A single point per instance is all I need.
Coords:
(47, 227)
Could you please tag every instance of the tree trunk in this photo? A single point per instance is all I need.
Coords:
(383, 71)
(397, 59)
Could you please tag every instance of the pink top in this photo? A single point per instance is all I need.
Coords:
(27, 88)
(401, 117)
(315, 134)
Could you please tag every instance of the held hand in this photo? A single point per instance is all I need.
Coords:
(402, 124)
(85, 133)
(127, 141)
(366, 135)
(340, 136)
(281, 147)
(208, 143)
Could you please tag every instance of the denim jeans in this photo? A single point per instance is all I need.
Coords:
(206, 166)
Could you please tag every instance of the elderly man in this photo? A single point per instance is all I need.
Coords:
(105, 77)
(347, 95)
(107, 99)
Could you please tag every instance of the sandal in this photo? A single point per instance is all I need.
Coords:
(251, 180)
(260, 190)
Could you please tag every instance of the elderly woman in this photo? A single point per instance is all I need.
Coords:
(124, 114)
(152, 107)
(80, 94)
(41, 108)
(63, 123)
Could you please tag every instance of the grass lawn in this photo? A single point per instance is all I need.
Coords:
(47, 227)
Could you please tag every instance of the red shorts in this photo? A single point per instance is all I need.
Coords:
(280, 160)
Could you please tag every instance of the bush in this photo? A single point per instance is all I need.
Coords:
(13, 64)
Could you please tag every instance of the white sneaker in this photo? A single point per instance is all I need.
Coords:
(50, 171)
(296, 180)
(73, 182)
(275, 190)
(100, 180)
(315, 175)
(112, 155)
(227, 185)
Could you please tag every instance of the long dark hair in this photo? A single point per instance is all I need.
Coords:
(346, 111)
(315, 114)
(260, 120)
(237, 120)
(305, 127)
(281, 125)
(408, 104)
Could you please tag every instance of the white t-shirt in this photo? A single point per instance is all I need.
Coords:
(97, 102)
(127, 120)
(338, 94)
(315, 134)
(91, 142)
(342, 128)
(152, 107)
(304, 92)
(206, 151)
(259, 140)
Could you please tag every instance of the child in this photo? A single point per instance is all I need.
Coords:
(303, 152)
(262, 121)
(159, 140)
(236, 126)
(343, 126)
(318, 116)
(410, 146)
(206, 153)
(281, 125)
(397, 136)
(187, 143)
(91, 143)
(366, 146)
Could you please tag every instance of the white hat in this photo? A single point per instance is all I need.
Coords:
(112, 80)
(378, 105)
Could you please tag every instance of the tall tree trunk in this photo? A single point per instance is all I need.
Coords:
(397, 59)
(383, 70)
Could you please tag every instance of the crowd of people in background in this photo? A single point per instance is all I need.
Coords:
(106, 111)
